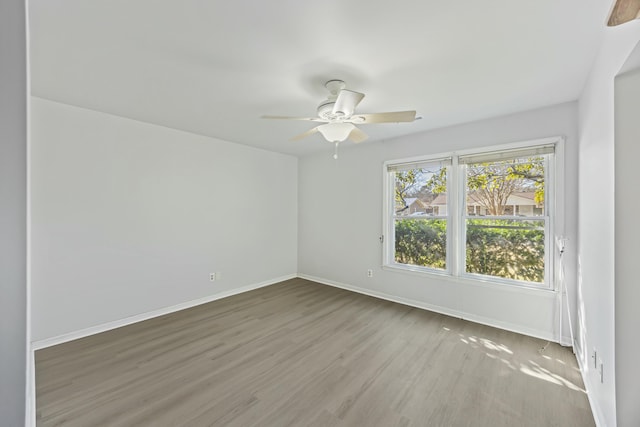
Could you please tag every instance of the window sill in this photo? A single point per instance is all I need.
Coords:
(472, 281)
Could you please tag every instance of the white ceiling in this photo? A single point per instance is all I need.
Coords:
(214, 67)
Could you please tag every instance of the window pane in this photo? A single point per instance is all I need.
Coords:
(420, 197)
(511, 249)
(421, 242)
(421, 191)
(513, 187)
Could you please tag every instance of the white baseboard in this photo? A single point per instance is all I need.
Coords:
(566, 342)
(437, 309)
(48, 342)
(595, 409)
(30, 409)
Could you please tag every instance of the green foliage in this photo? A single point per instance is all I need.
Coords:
(437, 184)
(506, 248)
(421, 242)
(491, 185)
(509, 249)
(407, 182)
(532, 171)
(493, 182)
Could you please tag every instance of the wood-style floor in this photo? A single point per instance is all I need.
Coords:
(303, 354)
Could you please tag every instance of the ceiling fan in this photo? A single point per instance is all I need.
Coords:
(624, 11)
(338, 114)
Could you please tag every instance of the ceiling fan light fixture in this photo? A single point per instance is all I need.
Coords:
(336, 132)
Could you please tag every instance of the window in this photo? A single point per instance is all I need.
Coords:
(483, 215)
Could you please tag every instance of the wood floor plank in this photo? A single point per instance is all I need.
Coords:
(303, 354)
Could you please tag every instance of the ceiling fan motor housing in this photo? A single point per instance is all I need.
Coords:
(325, 110)
(334, 86)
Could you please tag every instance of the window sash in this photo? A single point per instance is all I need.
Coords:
(498, 156)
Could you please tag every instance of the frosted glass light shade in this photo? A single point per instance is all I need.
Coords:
(336, 132)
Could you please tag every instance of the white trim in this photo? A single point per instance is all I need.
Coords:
(48, 342)
(565, 341)
(388, 211)
(30, 374)
(507, 326)
(455, 231)
(558, 230)
(595, 409)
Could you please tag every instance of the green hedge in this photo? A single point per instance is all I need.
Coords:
(421, 242)
(503, 248)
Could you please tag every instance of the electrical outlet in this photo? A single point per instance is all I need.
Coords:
(369, 273)
(212, 277)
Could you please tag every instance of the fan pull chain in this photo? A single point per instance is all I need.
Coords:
(335, 150)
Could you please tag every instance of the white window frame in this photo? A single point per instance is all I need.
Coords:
(390, 211)
(457, 214)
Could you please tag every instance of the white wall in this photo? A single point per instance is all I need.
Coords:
(596, 308)
(129, 217)
(13, 212)
(627, 291)
(340, 219)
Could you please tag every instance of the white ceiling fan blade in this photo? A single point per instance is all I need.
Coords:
(347, 102)
(305, 134)
(391, 117)
(624, 11)
(309, 119)
(357, 135)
